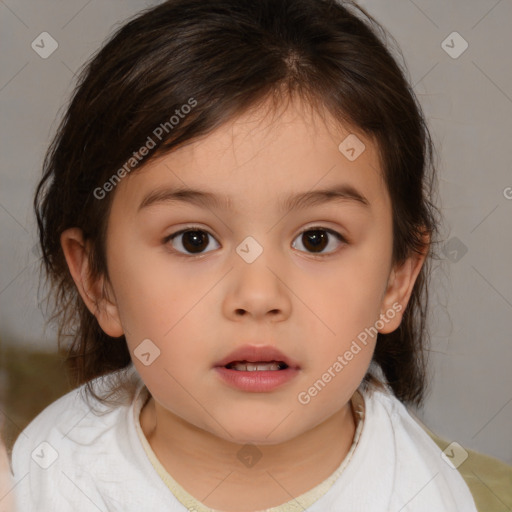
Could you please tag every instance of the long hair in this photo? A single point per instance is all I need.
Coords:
(229, 56)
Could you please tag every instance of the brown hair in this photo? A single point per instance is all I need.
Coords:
(228, 56)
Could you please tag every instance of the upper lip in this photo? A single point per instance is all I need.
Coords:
(257, 353)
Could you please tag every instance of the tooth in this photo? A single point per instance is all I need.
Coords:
(252, 367)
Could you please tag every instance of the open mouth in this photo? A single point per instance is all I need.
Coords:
(257, 369)
(246, 366)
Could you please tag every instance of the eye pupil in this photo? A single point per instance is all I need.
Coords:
(197, 241)
(193, 240)
(315, 240)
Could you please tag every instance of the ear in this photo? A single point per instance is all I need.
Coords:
(92, 290)
(399, 288)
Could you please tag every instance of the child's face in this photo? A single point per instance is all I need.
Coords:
(198, 308)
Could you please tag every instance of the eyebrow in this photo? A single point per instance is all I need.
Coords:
(341, 193)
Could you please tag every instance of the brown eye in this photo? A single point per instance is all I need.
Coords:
(191, 241)
(316, 240)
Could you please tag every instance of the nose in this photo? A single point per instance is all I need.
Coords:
(257, 290)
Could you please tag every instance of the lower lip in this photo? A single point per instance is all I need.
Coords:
(258, 381)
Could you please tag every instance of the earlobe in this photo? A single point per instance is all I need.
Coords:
(91, 289)
(400, 285)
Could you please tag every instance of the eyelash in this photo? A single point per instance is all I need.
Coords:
(170, 237)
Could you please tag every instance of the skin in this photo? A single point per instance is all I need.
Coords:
(198, 308)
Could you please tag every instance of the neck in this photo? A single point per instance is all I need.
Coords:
(202, 462)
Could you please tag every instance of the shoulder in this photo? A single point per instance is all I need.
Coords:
(489, 479)
(65, 426)
(419, 462)
(75, 419)
(57, 417)
(65, 444)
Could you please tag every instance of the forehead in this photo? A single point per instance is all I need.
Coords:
(263, 156)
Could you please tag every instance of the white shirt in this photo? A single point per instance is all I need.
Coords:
(73, 459)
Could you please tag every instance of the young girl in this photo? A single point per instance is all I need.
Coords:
(236, 219)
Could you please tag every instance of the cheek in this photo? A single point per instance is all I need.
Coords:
(150, 293)
(347, 298)
(160, 303)
(352, 293)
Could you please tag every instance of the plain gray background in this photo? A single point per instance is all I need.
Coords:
(467, 99)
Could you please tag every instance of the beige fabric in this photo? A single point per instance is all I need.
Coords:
(488, 479)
